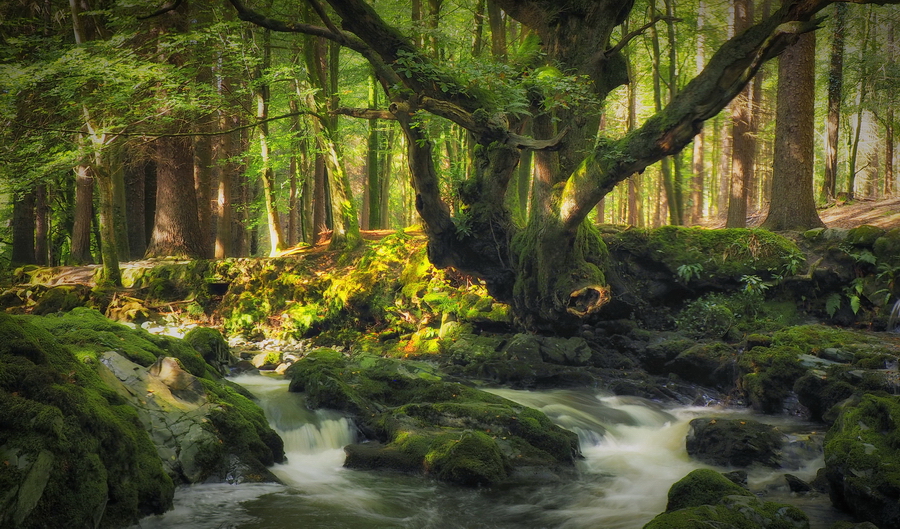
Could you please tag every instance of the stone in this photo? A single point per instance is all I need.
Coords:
(734, 442)
(796, 484)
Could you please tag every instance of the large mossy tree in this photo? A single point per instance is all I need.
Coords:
(551, 268)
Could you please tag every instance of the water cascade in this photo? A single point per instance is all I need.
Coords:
(633, 451)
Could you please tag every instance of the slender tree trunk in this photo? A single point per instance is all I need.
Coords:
(41, 225)
(743, 144)
(793, 203)
(498, 31)
(23, 229)
(860, 101)
(135, 202)
(226, 169)
(835, 87)
(672, 189)
(373, 176)
(84, 211)
(891, 50)
(478, 38)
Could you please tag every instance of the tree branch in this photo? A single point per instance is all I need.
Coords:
(637, 33)
(364, 113)
(670, 130)
(163, 10)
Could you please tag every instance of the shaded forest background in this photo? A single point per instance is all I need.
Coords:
(111, 116)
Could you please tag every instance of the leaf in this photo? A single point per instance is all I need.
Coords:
(832, 304)
(854, 304)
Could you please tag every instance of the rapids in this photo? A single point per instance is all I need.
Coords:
(633, 451)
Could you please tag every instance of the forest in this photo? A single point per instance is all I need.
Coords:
(522, 263)
(289, 129)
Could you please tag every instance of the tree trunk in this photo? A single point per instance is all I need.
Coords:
(860, 101)
(176, 227)
(793, 205)
(41, 226)
(743, 144)
(84, 211)
(373, 176)
(23, 229)
(109, 249)
(498, 31)
(698, 167)
(834, 84)
(135, 182)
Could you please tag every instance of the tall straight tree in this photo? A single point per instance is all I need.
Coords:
(743, 144)
(793, 205)
(698, 164)
(835, 84)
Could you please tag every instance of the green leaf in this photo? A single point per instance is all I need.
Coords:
(854, 304)
(832, 304)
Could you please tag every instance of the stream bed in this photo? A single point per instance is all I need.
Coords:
(633, 452)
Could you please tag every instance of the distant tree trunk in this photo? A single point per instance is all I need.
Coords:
(374, 221)
(793, 205)
(267, 175)
(226, 168)
(135, 197)
(298, 156)
(889, 153)
(203, 182)
(176, 227)
(697, 159)
(41, 226)
(834, 84)
(860, 102)
(84, 211)
(743, 144)
(498, 31)
(23, 229)
(116, 155)
(478, 38)
(670, 184)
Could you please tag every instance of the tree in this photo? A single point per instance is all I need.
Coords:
(793, 204)
(835, 84)
(522, 265)
(743, 143)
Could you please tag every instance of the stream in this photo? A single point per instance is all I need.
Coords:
(633, 452)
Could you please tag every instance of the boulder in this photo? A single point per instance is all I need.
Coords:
(705, 498)
(413, 421)
(191, 423)
(734, 442)
(212, 347)
(862, 457)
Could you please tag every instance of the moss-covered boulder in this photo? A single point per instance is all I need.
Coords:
(734, 442)
(862, 460)
(212, 347)
(449, 431)
(704, 498)
(73, 453)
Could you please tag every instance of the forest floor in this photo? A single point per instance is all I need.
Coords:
(884, 213)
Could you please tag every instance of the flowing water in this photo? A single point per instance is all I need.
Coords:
(633, 451)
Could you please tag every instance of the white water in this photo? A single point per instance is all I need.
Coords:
(633, 451)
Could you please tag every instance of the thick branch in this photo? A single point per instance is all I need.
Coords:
(637, 33)
(669, 131)
(163, 10)
(364, 113)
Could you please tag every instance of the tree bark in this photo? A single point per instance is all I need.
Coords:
(135, 196)
(84, 211)
(176, 227)
(743, 144)
(23, 229)
(793, 205)
(834, 85)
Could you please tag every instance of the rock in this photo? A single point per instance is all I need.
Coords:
(796, 484)
(193, 433)
(565, 351)
(837, 355)
(734, 442)
(419, 422)
(705, 498)
(862, 454)
(738, 477)
(707, 364)
(212, 347)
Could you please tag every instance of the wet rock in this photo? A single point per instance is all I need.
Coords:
(734, 442)
(738, 477)
(212, 347)
(452, 432)
(705, 498)
(796, 484)
(862, 454)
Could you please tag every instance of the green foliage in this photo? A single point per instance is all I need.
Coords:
(686, 272)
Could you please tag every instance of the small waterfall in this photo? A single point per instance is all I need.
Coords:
(894, 317)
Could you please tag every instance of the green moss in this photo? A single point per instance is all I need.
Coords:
(768, 374)
(704, 498)
(61, 299)
(864, 236)
(471, 458)
(702, 487)
(722, 253)
(50, 401)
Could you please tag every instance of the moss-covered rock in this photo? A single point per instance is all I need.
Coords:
(734, 442)
(768, 375)
(450, 431)
(704, 498)
(74, 454)
(862, 460)
(212, 347)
